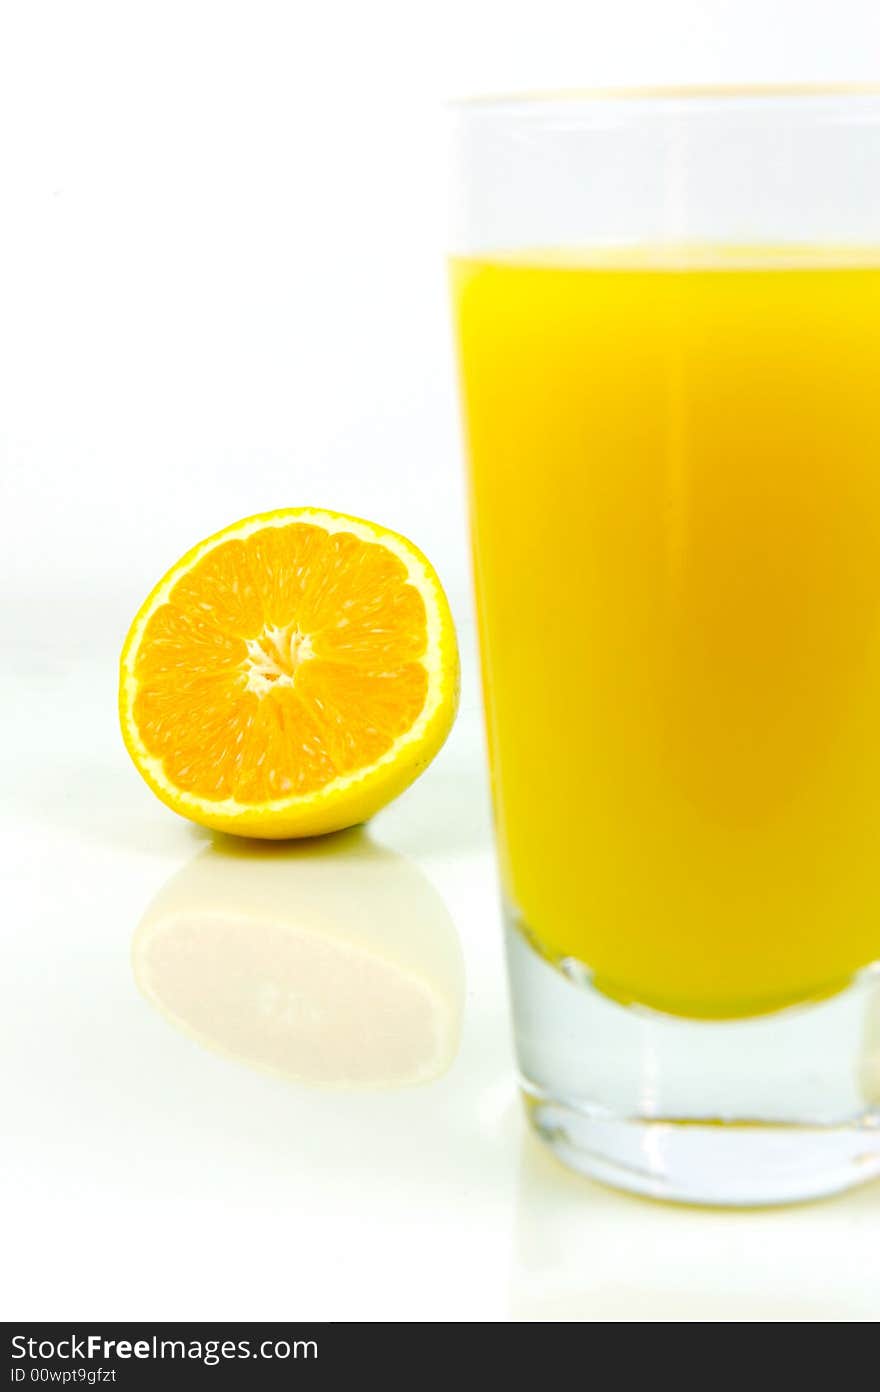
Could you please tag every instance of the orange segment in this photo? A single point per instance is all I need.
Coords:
(285, 752)
(290, 674)
(186, 643)
(359, 712)
(289, 561)
(222, 591)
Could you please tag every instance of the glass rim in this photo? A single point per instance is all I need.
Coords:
(722, 97)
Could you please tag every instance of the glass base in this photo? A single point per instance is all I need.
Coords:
(776, 1109)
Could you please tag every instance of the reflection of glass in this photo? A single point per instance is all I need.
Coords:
(668, 314)
(333, 963)
(582, 1253)
(869, 1064)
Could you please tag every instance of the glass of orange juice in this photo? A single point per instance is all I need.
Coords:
(668, 317)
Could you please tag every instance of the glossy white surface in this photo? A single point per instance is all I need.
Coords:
(222, 290)
(146, 1175)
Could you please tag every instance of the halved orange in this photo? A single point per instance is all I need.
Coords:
(290, 675)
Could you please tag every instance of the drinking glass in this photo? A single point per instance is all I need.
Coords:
(668, 317)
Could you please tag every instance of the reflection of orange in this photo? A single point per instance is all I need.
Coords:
(333, 963)
(869, 1064)
(289, 675)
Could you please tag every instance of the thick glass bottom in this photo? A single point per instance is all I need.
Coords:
(775, 1109)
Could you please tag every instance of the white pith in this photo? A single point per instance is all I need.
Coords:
(273, 658)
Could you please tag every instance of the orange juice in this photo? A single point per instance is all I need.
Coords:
(675, 482)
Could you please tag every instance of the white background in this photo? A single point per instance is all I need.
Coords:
(222, 290)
